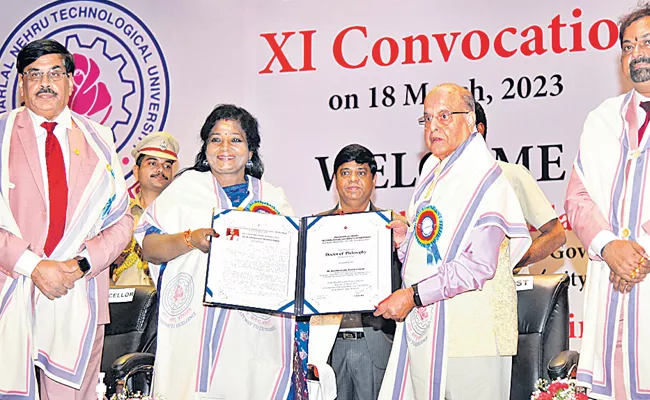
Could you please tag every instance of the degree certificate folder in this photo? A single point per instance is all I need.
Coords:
(299, 266)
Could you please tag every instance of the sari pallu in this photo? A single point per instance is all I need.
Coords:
(614, 173)
(209, 350)
(56, 335)
(468, 191)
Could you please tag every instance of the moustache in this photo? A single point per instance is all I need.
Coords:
(160, 174)
(47, 90)
(640, 60)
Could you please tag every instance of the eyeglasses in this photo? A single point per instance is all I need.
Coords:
(35, 75)
(444, 117)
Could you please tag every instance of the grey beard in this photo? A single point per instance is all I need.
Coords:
(640, 74)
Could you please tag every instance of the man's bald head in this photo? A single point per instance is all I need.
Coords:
(454, 89)
(450, 118)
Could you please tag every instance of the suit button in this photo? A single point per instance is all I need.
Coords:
(626, 233)
(43, 213)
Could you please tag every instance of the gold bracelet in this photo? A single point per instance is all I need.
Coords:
(186, 237)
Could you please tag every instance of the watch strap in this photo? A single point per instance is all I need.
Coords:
(83, 264)
(416, 295)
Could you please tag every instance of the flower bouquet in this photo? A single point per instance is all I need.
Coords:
(132, 396)
(560, 389)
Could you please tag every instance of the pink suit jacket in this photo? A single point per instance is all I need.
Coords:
(27, 203)
(585, 218)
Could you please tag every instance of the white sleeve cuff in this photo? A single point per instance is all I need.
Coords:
(600, 241)
(26, 263)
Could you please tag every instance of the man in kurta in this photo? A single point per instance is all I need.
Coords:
(63, 219)
(466, 233)
(606, 208)
(155, 156)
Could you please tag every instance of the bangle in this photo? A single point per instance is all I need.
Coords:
(416, 296)
(186, 237)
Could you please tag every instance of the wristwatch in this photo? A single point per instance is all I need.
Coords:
(416, 296)
(83, 264)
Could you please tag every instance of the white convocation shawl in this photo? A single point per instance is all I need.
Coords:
(211, 352)
(56, 335)
(615, 175)
(469, 190)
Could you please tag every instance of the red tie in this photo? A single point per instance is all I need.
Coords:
(58, 188)
(646, 106)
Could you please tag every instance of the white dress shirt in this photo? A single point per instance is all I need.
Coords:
(28, 260)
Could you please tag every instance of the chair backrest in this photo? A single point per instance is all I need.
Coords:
(134, 322)
(543, 313)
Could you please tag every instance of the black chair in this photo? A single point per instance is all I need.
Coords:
(132, 329)
(564, 365)
(543, 331)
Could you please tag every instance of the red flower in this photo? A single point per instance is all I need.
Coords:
(557, 386)
(544, 396)
(581, 396)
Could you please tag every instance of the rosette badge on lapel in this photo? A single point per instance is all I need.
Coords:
(428, 229)
(263, 207)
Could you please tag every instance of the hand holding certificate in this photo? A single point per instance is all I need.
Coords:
(347, 262)
(253, 263)
(324, 264)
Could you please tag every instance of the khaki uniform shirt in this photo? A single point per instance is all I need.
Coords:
(130, 268)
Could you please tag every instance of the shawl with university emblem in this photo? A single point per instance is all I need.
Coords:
(212, 352)
(467, 190)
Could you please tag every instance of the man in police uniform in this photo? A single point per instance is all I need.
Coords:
(155, 157)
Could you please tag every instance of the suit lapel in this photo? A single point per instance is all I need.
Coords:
(27, 138)
(336, 208)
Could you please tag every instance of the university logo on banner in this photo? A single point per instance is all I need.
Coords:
(121, 78)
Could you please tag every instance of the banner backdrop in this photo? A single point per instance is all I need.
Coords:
(321, 75)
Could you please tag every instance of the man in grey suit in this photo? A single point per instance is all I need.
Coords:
(363, 343)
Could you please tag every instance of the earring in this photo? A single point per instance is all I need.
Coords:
(204, 163)
(249, 164)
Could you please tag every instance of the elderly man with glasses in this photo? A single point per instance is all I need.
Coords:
(466, 234)
(63, 219)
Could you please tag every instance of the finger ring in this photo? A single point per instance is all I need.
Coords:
(637, 270)
(633, 274)
(642, 260)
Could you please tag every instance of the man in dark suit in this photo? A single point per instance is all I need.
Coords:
(362, 346)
